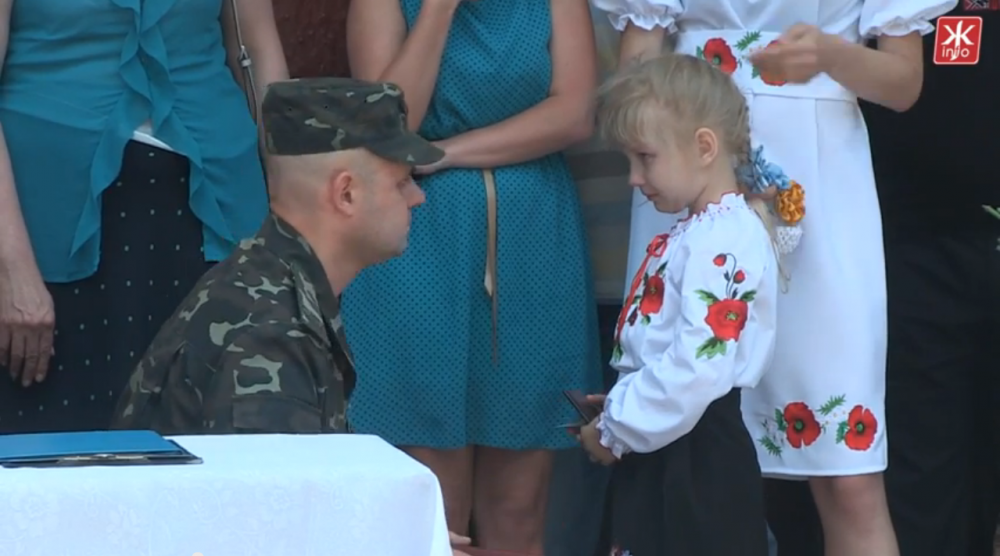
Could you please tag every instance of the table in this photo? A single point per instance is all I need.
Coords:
(267, 495)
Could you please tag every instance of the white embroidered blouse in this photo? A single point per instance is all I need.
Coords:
(870, 18)
(699, 321)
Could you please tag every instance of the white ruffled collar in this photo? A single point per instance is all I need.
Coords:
(729, 201)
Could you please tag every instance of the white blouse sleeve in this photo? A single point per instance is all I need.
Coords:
(901, 17)
(646, 14)
(723, 337)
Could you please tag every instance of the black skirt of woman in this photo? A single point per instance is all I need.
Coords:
(151, 257)
(702, 495)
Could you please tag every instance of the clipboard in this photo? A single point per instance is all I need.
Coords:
(94, 448)
(473, 551)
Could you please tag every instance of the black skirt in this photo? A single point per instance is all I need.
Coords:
(700, 496)
(151, 256)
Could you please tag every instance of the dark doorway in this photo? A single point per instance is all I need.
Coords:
(312, 33)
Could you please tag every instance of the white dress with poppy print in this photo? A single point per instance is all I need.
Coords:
(699, 322)
(819, 409)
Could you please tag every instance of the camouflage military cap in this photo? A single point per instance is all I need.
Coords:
(327, 114)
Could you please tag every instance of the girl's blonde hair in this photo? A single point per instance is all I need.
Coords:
(693, 94)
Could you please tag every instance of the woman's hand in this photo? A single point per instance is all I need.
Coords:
(590, 439)
(443, 4)
(27, 321)
(442, 164)
(797, 56)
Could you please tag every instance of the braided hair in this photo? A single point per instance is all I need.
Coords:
(696, 94)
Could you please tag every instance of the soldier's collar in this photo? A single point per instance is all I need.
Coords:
(284, 240)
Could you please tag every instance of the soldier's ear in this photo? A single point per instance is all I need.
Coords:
(342, 192)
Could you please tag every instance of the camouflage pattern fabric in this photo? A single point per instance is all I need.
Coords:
(256, 347)
(320, 115)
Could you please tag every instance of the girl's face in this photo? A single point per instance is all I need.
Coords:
(671, 174)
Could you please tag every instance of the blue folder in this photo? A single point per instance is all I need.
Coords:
(90, 448)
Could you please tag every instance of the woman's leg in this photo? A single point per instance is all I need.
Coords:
(511, 495)
(454, 471)
(855, 515)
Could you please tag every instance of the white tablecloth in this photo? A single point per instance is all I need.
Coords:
(311, 495)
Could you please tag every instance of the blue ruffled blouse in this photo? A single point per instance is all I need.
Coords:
(80, 76)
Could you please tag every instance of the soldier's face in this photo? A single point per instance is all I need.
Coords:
(394, 196)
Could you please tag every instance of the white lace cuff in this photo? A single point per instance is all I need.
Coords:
(896, 18)
(608, 440)
(645, 14)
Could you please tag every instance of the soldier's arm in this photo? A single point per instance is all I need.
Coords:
(160, 394)
(271, 379)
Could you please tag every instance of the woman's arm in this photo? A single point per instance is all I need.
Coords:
(564, 118)
(260, 36)
(379, 48)
(15, 248)
(644, 24)
(27, 316)
(891, 76)
(640, 44)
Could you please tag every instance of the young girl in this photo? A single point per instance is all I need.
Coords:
(818, 414)
(698, 324)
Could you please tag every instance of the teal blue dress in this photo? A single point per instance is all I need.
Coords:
(420, 326)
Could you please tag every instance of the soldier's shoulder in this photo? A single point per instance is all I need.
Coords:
(250, 288)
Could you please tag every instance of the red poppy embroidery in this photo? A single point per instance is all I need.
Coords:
(768, 78)
(801, 426)
(858, 431)
(797, 425)
(719, 54)
(652, 295)
(635, 303)
(727, 315)
(726, 318)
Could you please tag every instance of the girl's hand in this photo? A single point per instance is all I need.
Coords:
(797, 56)
(590, 439)
(442, 164)
(458, 540)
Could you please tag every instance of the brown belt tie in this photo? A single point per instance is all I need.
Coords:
(490, 281)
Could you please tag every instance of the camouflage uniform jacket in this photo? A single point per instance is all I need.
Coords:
(256, 347)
